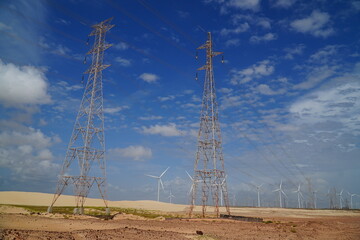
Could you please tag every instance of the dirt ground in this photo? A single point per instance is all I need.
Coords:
(19, 224)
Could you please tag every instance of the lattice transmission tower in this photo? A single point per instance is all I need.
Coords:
(209, 172)
(87, 142)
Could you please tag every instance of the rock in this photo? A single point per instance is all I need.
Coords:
(199, 232)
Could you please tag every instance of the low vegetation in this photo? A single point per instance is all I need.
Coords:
(97, 211)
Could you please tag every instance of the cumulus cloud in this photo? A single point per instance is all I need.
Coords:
(316, 24)
(167, 98)
(316, 76)
(295, 50)
(114, 110)
(284, 3)
(267, 37)
(149, 77)
(325, 54)
(27, 155)
(338, 102)
(121, 46)
(232, 42)
(261, 69)
(152, 117)
(266, 90)
(239, 29)
(169, 130)
(22, 85)
(123, 62)
(136, 153)
(244, 4)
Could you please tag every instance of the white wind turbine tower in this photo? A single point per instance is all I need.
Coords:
(314, 193)
(280, 192)
(258, 193)
(300, 196)
(171, 196)
(192, 182)
(159, 182)
(351, 201)
(341, 199)
(221, 192)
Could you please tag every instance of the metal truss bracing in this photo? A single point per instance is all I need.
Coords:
(209, 172)
(87, 142)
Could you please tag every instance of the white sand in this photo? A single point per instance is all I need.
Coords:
(44, 199)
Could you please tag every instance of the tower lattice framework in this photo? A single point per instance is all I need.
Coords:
(87, 142)
(209, 171)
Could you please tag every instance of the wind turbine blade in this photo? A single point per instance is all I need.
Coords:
(191, 189)
(162, 185)
(277, 190)
(189, 176)
(301, 195)
(164, 172)
(284, 193)
(341, 192)
(280, 184)
(260, 185)
(152, 176)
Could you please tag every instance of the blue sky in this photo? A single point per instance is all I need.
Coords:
(288, 93)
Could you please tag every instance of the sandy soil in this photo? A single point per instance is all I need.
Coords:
(285, 224)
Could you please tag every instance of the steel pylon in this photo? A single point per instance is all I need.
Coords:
(209, 171)
(87, 142)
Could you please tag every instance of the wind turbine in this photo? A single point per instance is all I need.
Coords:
(341, 199)
(300, 196)
(221, 192)
(170, 196)
(351, 196)
(258, 193)
(314, 193)
(159, 182)
(192, 182)
(280, 192)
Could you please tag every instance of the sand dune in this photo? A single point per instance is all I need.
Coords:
(44, 199)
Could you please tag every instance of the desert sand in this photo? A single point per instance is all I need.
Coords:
(18, 223)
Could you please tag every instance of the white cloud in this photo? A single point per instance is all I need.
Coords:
(266, 90)
(252, 19)
(163, 130)
(225, 90)
(316, 24)
(136, 153)
(284, 3)
(114, 110)
(167, 98)
(68, 87)
(26, 154)
(267, 37)
(356, 5)
(339, 102)
(152, 117)
(244, 4)
(263, 22)
(232, 42)
(295, 50)
(121, 46)
(239, 29)
(316, 76)
(22, 85)
(231, 101)
(149, 77)
(325, 54)
(261, 69)
(123, 62)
